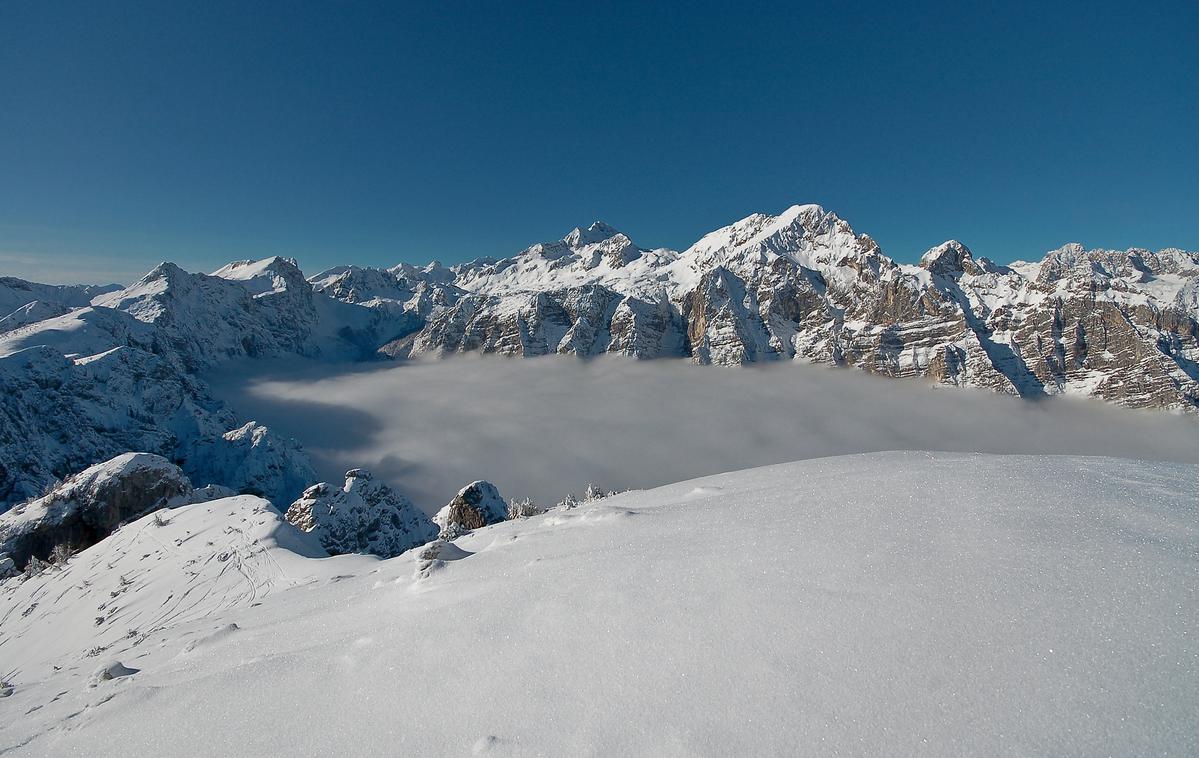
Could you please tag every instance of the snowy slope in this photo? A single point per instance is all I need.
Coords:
(886, 604)
(16, 293)
(165, 568)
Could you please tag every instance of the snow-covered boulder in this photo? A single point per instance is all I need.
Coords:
(89, 506)
(109, 671)
(364, 516)
(476, 505)
(253, 460)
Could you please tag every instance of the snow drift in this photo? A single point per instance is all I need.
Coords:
(897, 604)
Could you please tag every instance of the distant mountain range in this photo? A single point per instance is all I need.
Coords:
(92, 372)
(802, 285)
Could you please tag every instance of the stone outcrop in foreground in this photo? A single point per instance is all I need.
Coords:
(363, 516)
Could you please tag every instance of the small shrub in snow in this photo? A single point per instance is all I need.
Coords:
(594, 492)
(568, 502)
(36, 567)
(61, 554)
(160, 520)
(523, 508)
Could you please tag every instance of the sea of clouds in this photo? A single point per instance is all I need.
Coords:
(545, 427)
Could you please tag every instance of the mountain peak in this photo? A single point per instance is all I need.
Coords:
(249, 269)
(806, 210)
(597, 232)
(948, 258)
(274, 274)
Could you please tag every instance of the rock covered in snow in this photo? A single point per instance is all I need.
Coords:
(89, 506)
(364, 516)
(950, 258)
(109, 671)
(252, 460)
(476, 505)
(248, 308)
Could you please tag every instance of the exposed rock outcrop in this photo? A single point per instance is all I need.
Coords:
(89, 506)
(363, 516)
(476, 505)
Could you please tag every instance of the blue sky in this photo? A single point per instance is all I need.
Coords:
(200, 132)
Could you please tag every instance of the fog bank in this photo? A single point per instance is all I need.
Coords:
(545, 427)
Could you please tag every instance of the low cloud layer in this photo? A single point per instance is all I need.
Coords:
(547, 426)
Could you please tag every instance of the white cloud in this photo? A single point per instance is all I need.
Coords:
(546, 426)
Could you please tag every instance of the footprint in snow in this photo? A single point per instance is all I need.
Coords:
(606, 514)
(484, 744)
(216, 636)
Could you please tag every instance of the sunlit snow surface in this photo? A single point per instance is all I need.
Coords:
(884, 604)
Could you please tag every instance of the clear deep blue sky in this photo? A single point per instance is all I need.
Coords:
(199, 132)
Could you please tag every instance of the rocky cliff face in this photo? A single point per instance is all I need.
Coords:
(802, 285)
(89, 506)
(251, 460)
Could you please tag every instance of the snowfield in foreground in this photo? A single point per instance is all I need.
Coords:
(892, 603)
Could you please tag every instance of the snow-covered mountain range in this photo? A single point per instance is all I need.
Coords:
(90, 373)
(803, 285)
(154, 579)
